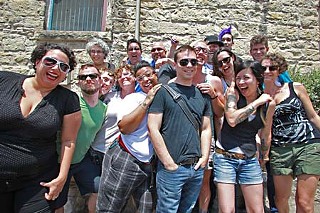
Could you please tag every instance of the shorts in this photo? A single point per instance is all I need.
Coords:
(87, 177)
(295, 159)
(233, 171)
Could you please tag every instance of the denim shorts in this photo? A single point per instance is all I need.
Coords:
(228, 170)
(295, 159)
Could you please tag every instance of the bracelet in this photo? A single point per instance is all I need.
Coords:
(214, 97)
(251, 108)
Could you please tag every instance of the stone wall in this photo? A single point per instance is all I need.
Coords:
(292, 26)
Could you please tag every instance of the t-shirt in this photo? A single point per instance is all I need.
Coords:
(109, 130)
(180, 136)
(28, 144)
(92, 119)
(166, 72)
(137, 142)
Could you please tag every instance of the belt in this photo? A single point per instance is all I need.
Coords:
(232, 155)
(189, 161)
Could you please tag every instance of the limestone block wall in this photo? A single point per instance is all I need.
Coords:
(292, 26)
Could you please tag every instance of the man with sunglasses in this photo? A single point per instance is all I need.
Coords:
(85, 172)
(158, 51)
(182, 150)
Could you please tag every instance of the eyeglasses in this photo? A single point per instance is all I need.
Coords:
(141, 77)
(198, 49)
(96, 51)
(134, 48)
(224, 61)
(51, 62)
(184, 62)
(91, 76)
(157, 49)
(271, 68)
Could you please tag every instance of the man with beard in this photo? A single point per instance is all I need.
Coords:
(126, 167)
(82, 169)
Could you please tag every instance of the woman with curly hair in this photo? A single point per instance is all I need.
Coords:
(295, 144)
(33, 110)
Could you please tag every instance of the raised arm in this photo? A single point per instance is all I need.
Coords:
(131, 121)
(214, 89)
(234, 115)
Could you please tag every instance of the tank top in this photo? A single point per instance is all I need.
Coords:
(291, 124)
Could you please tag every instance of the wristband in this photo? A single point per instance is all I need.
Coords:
(214, 97)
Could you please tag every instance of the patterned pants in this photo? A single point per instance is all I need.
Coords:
(124, 176)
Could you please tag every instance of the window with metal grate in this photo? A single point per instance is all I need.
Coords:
(76, 15)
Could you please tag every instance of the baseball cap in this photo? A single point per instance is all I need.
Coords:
(213, 39)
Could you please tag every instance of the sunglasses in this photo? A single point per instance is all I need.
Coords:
(157, 49)
(224, 61)
(51, 62)
(141, 77)
(91, 76)
(134, 48)
(198, 49)
(184, 62)
(271, 68)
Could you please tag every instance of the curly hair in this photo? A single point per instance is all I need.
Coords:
(277, 60)
(42, 49)
(99, 42)
(118, 72)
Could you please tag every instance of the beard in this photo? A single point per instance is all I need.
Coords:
(90, 91)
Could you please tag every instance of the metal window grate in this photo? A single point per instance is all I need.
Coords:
(76, 15)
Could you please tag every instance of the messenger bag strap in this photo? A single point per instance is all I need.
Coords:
(177, 98)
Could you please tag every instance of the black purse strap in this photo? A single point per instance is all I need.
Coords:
(177, 98)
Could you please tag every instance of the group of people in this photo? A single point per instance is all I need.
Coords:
(156, 132)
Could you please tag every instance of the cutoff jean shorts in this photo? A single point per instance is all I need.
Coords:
(229, 170)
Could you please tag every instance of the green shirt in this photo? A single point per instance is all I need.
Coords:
(92, 119)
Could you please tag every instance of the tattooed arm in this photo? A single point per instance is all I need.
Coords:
(234, 115)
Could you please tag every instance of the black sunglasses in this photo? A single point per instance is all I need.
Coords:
(51, 62)
(134, 48)
(91, 76)
(184, 62)
(271, 68)
(224, 61)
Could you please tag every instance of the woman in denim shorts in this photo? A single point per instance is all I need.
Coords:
(235, 159)
(295, 144)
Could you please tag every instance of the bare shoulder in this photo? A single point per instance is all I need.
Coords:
(299, 88)
(214, 79)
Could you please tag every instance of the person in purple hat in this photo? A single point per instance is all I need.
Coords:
(226, 37)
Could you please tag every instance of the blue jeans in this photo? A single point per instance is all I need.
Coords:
(178, 190)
